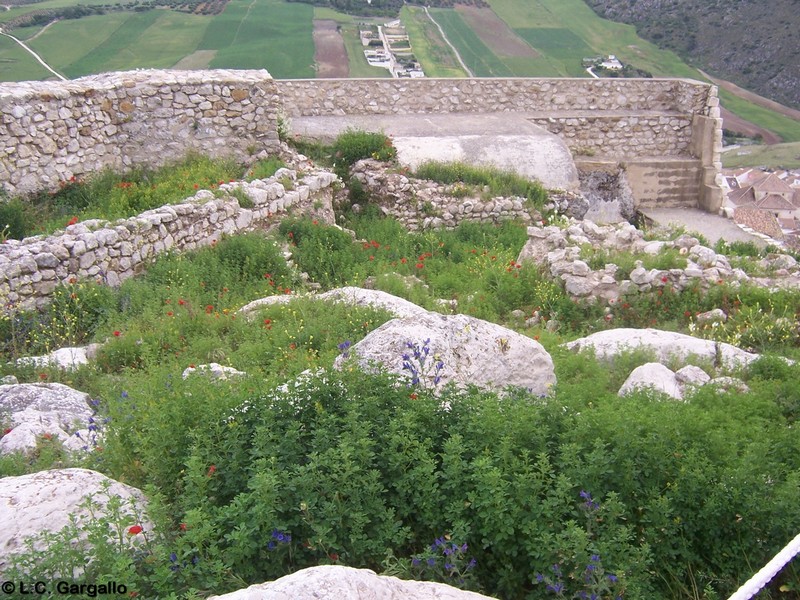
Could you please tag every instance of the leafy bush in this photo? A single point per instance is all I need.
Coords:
(353, 145)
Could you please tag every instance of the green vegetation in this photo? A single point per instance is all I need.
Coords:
(494, 182)
(251, 480)
(787, 128)
(786, 156)
(432, 52)
(481, 61)
(264, 34)
(109, 195)
(18, 65)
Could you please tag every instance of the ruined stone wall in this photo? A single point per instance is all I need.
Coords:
(53, 131)
(31, 269)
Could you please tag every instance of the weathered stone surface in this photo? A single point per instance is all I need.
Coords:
(331, 582)
(692, 375)
(45, 501)
(653, 376)
(472, 352)
(35, 409)
(213, 371)
(665, 345)
(67, 359)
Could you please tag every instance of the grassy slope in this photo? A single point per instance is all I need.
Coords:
(119, 41)
(777, 155)
(264, 34)
(435, 56)
(18, 65)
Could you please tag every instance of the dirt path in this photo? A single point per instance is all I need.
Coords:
(738, 124)
(453, 48)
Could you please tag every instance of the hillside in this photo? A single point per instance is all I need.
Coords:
(740, 41)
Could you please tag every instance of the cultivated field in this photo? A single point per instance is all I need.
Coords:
(785, 156)
(530, 38)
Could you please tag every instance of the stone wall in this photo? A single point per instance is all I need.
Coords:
(53, 131)
(31, 269)
(421, 205)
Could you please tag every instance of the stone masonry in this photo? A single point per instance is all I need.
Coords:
(31, 269)
(52, 131)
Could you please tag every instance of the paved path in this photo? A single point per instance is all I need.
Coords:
(712, 227)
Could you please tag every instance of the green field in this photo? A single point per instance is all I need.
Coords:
(18, 65)
(263, 34)
(435, 56)
(786, 156)
(473, 51)
(120, 40)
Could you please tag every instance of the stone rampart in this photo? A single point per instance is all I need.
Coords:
(31, 269)
(53, 131)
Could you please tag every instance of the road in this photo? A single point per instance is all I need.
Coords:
(453, 48)
(36, 56)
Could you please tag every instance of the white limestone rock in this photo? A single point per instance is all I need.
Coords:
(35, 409)
(691, 375)
(666, 345)
(333, 582)
(472, 351)
(654, 376)
(214, 371)
(66, 359)
(44, 501)
(354, 296)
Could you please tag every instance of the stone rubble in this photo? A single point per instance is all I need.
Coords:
(559, 252)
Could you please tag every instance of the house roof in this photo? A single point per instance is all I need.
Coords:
(775, 202)
(771, 184)
(742, 196)
(789, 223)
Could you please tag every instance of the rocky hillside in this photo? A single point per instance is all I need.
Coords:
(749, 42)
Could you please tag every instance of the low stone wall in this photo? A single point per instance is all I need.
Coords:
(421, 205)
(53, 131)
(31, 269)
(321, 97)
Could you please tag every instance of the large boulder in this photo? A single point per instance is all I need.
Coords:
(354, 296)
(460, 349)
(66, 359)
(652, 376)
(31, 410)
(331, 582)
(665, 345)
(45, 501)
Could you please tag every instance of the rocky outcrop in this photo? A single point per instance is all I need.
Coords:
(354, 296)
(432, 350)
(30, 411)
(333, 582)
(665, 346)
(67, 359)
(46, 501)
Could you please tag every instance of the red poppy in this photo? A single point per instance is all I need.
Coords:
(211, 470)
(371, 257)
(403, 260)
(267, 321)
(7, 431)
(181, 301)
(135, 529)
(169, 313)
(72, 221)
(42, 376)
(183, 526)
(333, 556)
(117, 334)
(413, 396)
(209, 309)
(420, 265)
(72, 280)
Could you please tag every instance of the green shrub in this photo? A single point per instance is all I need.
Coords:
(17, 219)
(354, 145)
(327, 254)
